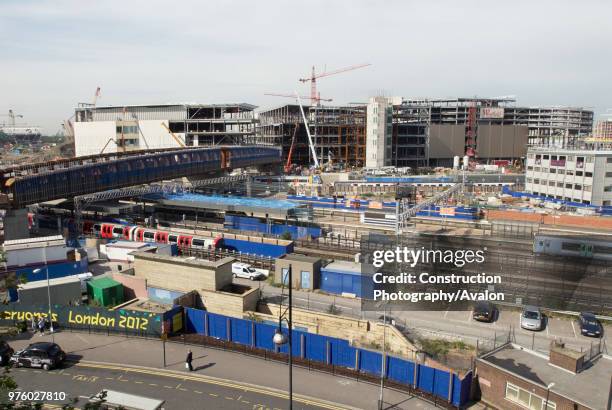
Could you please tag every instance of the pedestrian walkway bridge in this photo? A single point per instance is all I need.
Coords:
(66, 178)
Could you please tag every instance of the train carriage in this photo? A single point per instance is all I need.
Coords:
(573, 246)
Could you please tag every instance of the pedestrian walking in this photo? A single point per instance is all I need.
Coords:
(41, 325)
(188, 360)
(34, 326)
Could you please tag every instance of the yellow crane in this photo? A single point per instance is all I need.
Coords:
(176, 138)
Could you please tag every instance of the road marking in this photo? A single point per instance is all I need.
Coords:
(37, 371)
(109, 378)
(239, 397)
(470, 315)
(213, 394)
(210, 380)
(168, 387)
(229, 398)
(152, 384)
(446, 313)
(573, 329)
(246, 402)
(197, 391)
(138, 382)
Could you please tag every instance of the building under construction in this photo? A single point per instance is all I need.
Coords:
(136, 127)
(337, 132)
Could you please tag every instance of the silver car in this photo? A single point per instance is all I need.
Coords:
(531, 318)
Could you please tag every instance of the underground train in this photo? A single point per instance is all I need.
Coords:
(137, 233)
(573, 246)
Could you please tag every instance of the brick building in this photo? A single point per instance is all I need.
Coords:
(514, 378)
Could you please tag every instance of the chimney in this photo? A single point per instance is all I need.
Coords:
(565, 358)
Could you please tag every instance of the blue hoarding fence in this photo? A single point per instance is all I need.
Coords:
(323, 352)
(246, 223)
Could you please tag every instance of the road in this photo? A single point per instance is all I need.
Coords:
(452, 325)
(180, 391)
(127, 361)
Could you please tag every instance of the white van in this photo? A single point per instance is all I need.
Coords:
(244, 270)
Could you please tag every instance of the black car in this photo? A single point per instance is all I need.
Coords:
(45, 355)
(484, 312)
(6, 352)
(589, 325)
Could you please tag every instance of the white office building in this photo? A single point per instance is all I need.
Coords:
(136, 127)
(571, 174)
(379, 131)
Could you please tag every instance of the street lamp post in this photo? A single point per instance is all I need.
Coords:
(550, 386)
(384, 356)
(280, 339)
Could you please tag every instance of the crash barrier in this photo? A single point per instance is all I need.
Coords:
(95, 319)
(329, 353)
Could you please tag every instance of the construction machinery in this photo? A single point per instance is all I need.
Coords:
(303, 97)
(314, 95)
(288, 164)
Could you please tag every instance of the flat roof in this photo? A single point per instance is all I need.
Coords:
(245, 106)
(52, 282)
(299, 258)
(130, 245)
(349, 267)
(178, 260)
(590, 387)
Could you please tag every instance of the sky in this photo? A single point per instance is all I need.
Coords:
(54, 53)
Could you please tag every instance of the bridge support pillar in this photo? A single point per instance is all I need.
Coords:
(249, 186)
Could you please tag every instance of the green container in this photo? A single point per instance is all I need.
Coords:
(105, 291)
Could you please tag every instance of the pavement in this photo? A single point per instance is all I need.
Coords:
(221, 379)
(452, 325)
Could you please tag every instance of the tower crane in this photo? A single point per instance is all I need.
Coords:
(96, 96)
(293, 96)
(314, 96)
(12, 116)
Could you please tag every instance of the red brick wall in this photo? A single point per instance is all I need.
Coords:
(564, 220)
(492, 382)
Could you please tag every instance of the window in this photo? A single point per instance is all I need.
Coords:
(530, 168)
(578, 173)
(569, 172)
(578, 187)
(568, 186)
(118, 230)
(560, 185)
(149, 235)
(553, 171)
(588, 174)
(609, 160)
(589, 159)
(545, 156)
(537, 169)
(609, 174)
(551, 183)
(529, 180)
(527, 399)
(545, 170)
(536, 181)
(553, 157)
(608, 188)
(586, 188)
(570, 158)
(561, 171)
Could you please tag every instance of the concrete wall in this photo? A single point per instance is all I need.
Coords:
(360, 333)
(157, 136)
(230, 304)
(90, 137)
(133, 287)
(15, 224)
(184, 275)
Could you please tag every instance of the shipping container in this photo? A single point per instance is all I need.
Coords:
(63, 291)
(347, 278)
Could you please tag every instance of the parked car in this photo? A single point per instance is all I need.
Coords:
(6, 352)
(531, 318)
(589, 325)
(244, 270)
(45, 355)
(484, 311)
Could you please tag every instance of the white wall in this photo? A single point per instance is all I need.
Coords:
(90, 137)
(36, 255)
(157, 136)
(376, 132)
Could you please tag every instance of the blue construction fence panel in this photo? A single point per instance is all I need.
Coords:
(246, 223)
(330, 350)
(56, 270)
(255, 248)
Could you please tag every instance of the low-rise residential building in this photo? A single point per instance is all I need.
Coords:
(582, 175)
(514, 378)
